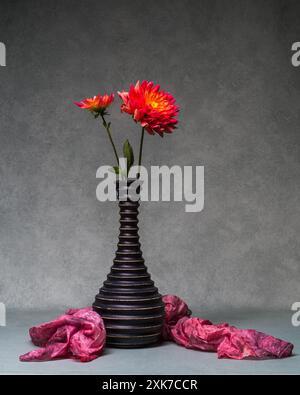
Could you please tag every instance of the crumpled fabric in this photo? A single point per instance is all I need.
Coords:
(228, 341)
(78, 334)
(175, 308)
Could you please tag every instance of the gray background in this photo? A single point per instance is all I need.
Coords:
(228, 63)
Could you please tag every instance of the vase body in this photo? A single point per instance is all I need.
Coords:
(128, 302)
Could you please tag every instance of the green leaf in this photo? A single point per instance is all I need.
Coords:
(115, 169)
(128, 154)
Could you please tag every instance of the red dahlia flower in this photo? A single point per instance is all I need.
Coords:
(153, 108)
(96, 104)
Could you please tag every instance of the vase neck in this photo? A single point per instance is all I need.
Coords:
(129, 250)
(128, 190)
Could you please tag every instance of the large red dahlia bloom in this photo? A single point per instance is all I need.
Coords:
(153, 108)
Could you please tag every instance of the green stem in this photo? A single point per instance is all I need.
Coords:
(141, 148)
(107, 127)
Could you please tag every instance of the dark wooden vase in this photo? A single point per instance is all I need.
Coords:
(128, 302)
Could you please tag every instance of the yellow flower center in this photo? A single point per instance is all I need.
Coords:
(153, 104)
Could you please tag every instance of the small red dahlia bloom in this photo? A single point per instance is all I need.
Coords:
(96, 104)
(153, 108)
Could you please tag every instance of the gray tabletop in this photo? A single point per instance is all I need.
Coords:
(167, 358)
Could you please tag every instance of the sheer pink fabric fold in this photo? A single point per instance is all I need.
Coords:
(80, 334)
(77, 334)
(228, 341)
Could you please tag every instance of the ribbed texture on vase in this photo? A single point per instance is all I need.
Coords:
(128, 302)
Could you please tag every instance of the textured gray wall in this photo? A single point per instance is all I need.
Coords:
(228, 64)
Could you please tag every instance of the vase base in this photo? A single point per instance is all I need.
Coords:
(155, 343)
(135, 331)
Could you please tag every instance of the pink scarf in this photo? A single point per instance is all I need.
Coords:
(80, 334)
